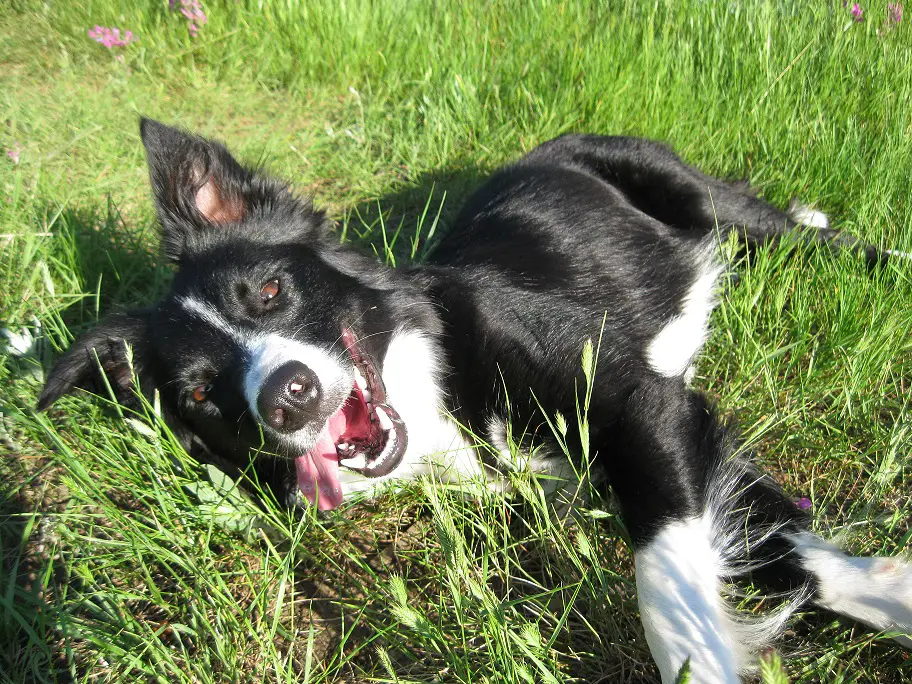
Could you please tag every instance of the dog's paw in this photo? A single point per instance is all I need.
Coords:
(892, 579)
(876, 590)
(807, 215)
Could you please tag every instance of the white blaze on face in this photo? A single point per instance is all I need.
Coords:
(210, 315)
(267, 352)
(410, 372)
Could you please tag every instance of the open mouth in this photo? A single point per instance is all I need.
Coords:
(365, 435)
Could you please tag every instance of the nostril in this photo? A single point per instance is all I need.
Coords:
(298, 386)
(276, 418)
(302, 388)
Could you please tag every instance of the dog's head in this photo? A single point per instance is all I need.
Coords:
(272, 336)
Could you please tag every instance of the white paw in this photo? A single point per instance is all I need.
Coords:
(807, 216)
(872, 589)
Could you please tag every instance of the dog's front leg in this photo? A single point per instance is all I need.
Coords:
(677, 576)
(698, 514)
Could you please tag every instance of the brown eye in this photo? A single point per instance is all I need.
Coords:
(201, 393)
(270, 290)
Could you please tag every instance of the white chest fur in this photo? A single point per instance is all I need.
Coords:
(411, 373)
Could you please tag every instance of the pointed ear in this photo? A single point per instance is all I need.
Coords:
(198, 185)
(103, 350)
(199, 188)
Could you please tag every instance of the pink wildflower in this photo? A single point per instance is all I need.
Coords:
(13, 152)
(804, 503)
(894, 12)
(193, 13)
(110, 37)
(856, 12)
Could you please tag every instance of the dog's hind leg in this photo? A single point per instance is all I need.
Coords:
(658, 183)
(874, 590)
(783, 555)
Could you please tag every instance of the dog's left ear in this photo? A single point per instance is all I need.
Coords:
(116, 349)
(200, 188)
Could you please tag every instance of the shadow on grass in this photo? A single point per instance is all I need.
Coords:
(413, 216)
(79, 250)
(117, 262)
(29, 492)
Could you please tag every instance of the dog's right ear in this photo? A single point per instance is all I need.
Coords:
(117, 348)
(201, 191)
(198, 185)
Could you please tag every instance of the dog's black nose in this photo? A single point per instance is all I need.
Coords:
(289, 398)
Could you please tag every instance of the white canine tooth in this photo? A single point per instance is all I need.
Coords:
(359, 380)
(368, 397)
(385, 422)
(357, 462)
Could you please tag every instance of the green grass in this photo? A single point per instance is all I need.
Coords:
(118, 565)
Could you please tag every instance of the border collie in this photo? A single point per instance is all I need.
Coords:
(335, 373)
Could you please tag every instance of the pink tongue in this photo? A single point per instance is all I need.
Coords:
(318, 469)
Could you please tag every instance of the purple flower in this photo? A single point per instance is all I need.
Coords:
(804, 503)
(856, 12)
(13, 152)
(110, 37)
(894, 12)
(193, 13)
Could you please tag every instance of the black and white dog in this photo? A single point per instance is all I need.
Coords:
(336, 373)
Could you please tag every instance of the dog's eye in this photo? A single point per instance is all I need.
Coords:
(270, 290)
(201, 393)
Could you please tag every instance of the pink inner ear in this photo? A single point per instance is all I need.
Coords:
(216, 207)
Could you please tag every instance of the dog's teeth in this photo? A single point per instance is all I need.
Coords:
(389, 446)
(368, 397)
(385, 422)
(356, 462)
(360, 381)
(344, 446)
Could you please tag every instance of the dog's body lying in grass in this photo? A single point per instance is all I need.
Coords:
(340, 373)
